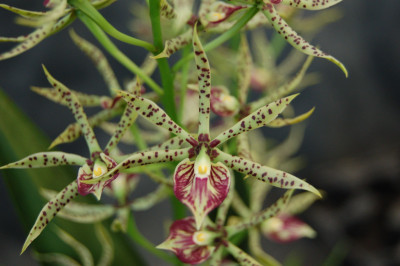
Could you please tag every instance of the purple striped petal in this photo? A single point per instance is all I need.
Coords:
(202, 191)
(180, 241)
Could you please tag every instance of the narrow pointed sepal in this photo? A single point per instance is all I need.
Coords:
(202, 189)
(50, 210)
(100, 61)
(242, 257)
(181, 242)
(173, 45)
(81, 212)
(47, 159)
(281, 122)
(76, 108)
(204, 78)
(152, 112)
(258, 118)
(274, 177)
(311, 4)
(294, 39)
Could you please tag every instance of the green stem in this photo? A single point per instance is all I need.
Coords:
(134, 233)
(167, 80)
(222, 38)
(140, 142)
(86, 7)
(184, 81)
(116, 53)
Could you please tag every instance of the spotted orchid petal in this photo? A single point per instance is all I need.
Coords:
(86, 100)
(126, 121)
(73, 131)
(173, 45)
(171, 144)
(285, 229)
(32, 39)
(100, 61)
(81, 212)
(222, 103)
(50, 210)
(166, 10)
(76, 108)
(274, 177)
(47, 159)
(242, 257)
(258, 118)
(256, 219)
(284, 89)
(143, 158)
(244, 69)
(204, 78)
(214, 12)
(152, 112)
(201, 185)
(181, 242)
(294, 39)
(300, 203)
(311, 4)
(23, 12)
(281, 122)
(243, 146)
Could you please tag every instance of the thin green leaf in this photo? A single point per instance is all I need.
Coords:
(107, 245)
(56, 259)
(82, 251)
(294, 39)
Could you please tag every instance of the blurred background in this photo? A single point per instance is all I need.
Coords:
(351, 145)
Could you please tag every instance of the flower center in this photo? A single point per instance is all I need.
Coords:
(97, 172)
(202, 169)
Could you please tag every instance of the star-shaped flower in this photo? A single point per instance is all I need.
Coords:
(202, 178)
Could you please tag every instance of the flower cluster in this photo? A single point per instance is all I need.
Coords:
(205, 162)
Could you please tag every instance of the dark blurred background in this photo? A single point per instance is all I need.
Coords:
(351, 144)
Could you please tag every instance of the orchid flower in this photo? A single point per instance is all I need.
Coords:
(194, 246)
(202, 178)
